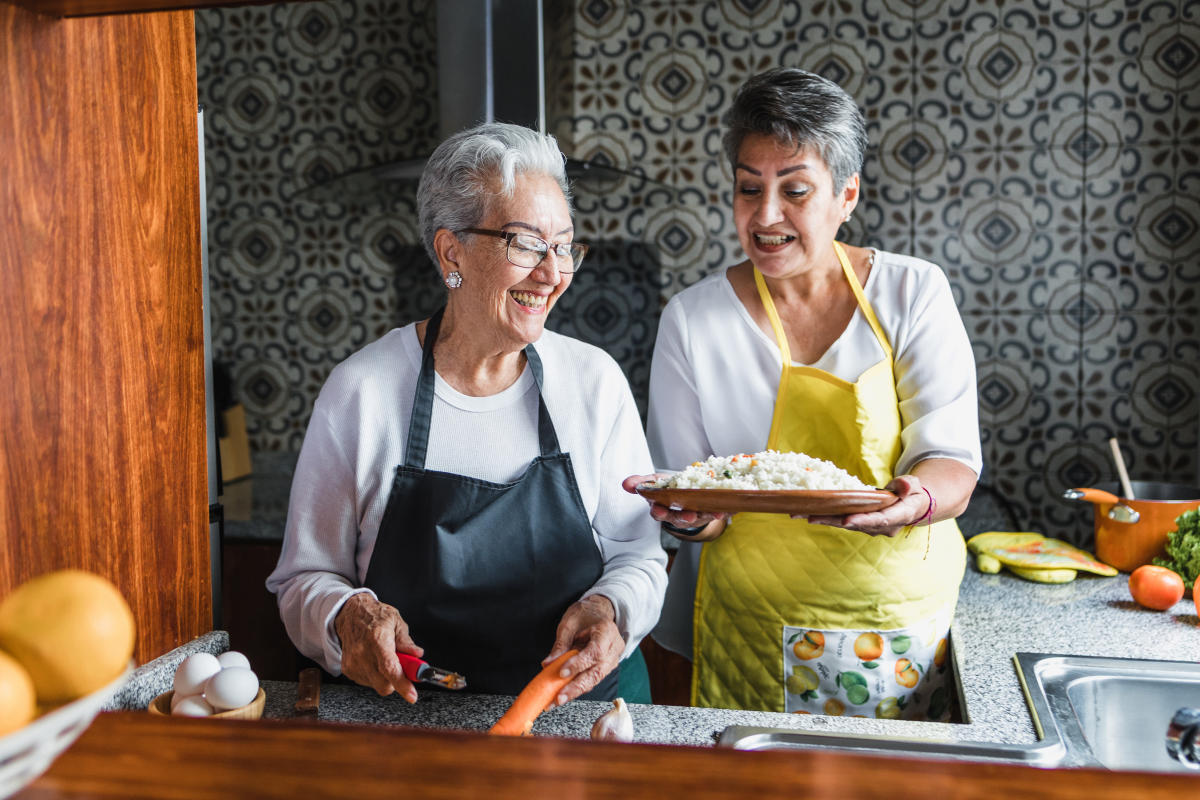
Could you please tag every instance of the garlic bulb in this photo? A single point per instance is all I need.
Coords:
(614, 725)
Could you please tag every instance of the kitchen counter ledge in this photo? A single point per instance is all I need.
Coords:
(998, 616)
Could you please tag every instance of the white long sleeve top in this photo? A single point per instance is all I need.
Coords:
(715, 375)
(356, 438)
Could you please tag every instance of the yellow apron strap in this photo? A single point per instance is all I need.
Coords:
(764, 294)
(785, 354)
(863, 305)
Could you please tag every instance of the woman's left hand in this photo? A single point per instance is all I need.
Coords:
(912, 507)
(589, 626)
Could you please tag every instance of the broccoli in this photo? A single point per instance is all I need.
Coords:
(1183, 547)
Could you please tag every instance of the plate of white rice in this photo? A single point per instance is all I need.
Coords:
(770, 481)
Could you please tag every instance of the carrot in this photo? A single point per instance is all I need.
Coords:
(535, 698)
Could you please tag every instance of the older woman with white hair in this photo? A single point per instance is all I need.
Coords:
(458, 494)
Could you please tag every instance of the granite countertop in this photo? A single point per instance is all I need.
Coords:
(998, 616)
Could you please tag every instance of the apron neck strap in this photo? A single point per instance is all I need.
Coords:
(781, 338)
(422, 409)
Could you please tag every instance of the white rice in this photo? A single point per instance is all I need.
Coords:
(768, 470)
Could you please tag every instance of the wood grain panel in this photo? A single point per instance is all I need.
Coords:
(80, 8)
(134, 755)
(101, 370)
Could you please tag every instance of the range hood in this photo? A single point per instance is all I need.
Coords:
(491, 66)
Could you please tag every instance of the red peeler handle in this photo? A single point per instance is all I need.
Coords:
(411, 666)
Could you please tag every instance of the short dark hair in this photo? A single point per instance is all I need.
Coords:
(803, 109)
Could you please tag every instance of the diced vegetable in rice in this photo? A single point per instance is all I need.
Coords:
(766, 470)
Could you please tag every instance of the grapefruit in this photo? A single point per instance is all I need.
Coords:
(71, 630)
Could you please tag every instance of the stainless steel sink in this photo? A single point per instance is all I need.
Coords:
(1046, 753)
(1088, 711)
(1110, 711)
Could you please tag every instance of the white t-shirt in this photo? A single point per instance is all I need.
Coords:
(715, 375)
(356, 438)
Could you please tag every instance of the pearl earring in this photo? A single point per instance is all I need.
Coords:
(454, 279)
(847, 218)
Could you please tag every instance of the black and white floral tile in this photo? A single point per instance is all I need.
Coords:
(1043, 152)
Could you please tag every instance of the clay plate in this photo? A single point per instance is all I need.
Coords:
(771, 502)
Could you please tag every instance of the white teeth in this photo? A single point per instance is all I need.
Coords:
(772, 240)
(529, 299)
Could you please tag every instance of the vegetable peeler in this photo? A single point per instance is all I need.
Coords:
(419, 671)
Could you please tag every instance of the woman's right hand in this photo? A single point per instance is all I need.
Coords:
(711, 525)
(372, 632)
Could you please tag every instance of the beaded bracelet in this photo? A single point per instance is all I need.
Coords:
(683, 531)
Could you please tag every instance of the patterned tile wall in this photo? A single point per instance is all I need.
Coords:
(1043, 152)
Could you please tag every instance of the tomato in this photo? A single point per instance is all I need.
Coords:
(1196, 595)
(1155, 587)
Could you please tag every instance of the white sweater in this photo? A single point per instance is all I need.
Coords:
(715, 375)
(356, 438)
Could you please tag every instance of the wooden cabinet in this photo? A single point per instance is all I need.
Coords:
(85, 8)
(103, 464)
(250, 613)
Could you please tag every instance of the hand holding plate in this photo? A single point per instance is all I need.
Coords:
(674, 514)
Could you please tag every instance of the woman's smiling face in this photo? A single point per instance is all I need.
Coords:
(510, 303)
(785, 208)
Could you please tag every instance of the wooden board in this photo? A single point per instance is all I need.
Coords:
(103, 465)
(133, 755)
(79, 8)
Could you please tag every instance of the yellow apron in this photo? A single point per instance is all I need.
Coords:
(771, 585)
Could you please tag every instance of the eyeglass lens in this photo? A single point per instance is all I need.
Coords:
(526, 250)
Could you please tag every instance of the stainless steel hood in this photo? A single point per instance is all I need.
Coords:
(491, 66)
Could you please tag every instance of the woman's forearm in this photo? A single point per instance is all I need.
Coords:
(949, 484)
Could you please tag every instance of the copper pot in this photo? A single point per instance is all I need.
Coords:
(1129, 545)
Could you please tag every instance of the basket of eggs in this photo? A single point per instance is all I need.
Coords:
(221, 686)
(48, 694)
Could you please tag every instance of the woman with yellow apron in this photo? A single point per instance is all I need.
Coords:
(827, 615)
(805, 624)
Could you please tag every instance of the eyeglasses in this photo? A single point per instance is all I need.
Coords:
(527, 251)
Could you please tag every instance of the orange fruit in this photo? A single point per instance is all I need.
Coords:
(868, 646)
(71, 630)
(834, 707)
(18, 702)
(810, 645)
(906, 674)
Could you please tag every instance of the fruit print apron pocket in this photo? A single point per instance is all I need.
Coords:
(894, 674)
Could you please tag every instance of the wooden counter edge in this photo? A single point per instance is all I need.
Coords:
(136, 755)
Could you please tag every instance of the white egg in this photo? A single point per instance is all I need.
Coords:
(194, 706)
(232, 658)
(195, 670)
(232, 687)
(177, 698)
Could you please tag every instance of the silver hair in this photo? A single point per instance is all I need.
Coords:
(475, 165)
(802, 109)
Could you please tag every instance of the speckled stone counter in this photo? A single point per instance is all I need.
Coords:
(155, 677)
(998, 616)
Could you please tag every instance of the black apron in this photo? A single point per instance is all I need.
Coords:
(482, 572)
